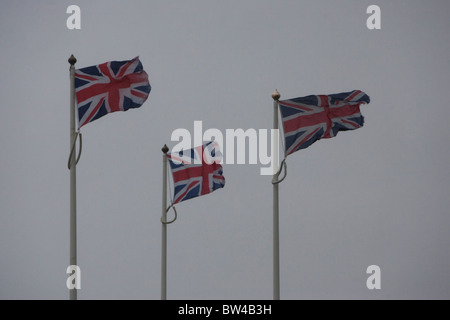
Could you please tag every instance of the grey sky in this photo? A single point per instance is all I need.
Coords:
(378, 195)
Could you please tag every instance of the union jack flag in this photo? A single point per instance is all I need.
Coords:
(308, 119)
(196, 171)
(110, 87)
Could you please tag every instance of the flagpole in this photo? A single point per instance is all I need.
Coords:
(165, 149)
(276, 238)
(73, 176)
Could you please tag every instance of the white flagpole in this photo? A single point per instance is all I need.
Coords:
(73, 176)
(165, 149)
(276, 238)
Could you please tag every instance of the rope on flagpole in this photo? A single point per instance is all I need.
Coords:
(172, 205)
(72, 149)
(283, 164)
(175, 213)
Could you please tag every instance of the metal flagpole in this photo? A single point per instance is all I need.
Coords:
(276, 238)
(165, 149)
(73, 176)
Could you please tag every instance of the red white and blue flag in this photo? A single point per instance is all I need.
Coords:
(196, 171)
(308, 119)
(110, 87)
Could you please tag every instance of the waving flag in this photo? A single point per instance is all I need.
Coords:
(196, 171)
(110, 87)
(308, 119)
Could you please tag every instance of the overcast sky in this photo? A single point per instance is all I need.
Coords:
(375, 196)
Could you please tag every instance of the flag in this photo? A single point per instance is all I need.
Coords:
(196, 171)
(110, 87)
(308, 119)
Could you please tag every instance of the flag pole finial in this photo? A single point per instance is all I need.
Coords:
(276, 95)
(72, 60)
(165, 149)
